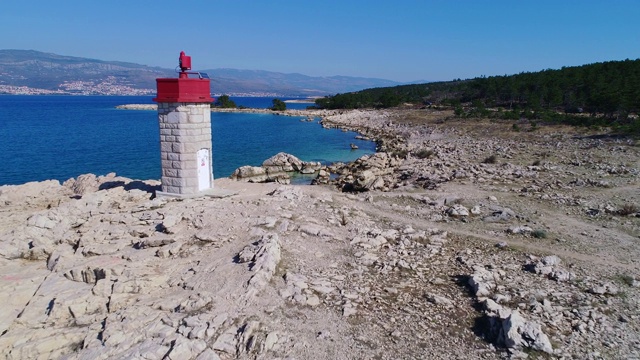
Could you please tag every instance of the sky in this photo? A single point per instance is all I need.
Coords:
(400, 40)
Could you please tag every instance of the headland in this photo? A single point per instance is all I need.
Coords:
(458, 239)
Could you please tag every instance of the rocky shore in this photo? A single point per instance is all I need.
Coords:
(459, 239)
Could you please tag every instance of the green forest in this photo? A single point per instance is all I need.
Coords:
(600, 94)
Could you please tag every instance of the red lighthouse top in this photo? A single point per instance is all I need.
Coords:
(184, 88)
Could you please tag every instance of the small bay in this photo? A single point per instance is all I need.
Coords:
(59, 137)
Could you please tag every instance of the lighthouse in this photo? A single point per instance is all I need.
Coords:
(184, 116)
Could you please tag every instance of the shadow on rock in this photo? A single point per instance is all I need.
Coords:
(481, 324)
(132, 185)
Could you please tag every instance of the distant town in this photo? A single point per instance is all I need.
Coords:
(108, 86)
(104, 88)
(89, 88)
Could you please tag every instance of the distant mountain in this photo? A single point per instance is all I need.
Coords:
(234, 81)
(40, 70)
(21, 71)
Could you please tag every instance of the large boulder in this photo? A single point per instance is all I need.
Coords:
(518, 333)
(275, 169)
(283, 162)
(83, 184)
(367, 180)
(250, 174)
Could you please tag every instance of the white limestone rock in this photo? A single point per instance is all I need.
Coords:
(282, 162)
(250, 173)
(315, 230)
(438, 300)
(483, 281)
(264, 261)
(208, 354)
(500, 215)
(520, 230)
(271, 340)
(606, 288)
(83, 184)
(458, 211)
(551, 267)
(27, 193)
(518, 333)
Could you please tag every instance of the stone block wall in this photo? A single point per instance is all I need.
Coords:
(185, 128)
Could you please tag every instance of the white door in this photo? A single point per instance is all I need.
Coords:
(204, 170)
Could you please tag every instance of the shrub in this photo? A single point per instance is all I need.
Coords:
(539, 234)
(490, 160)
(278, 105)
(401, 154)
(225, 102)
(626, 279)
(628, 209)
(423, 153)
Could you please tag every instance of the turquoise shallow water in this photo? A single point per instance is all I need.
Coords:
(59, 137)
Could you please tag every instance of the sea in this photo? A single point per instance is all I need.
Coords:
(60, 137)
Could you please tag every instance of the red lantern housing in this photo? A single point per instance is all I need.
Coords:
(184, 88)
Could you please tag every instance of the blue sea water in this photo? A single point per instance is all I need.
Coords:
(59, 137)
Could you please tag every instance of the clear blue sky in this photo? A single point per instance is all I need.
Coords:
(400, 40)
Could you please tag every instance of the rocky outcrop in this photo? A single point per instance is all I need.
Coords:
(254, 174)
(506, 327)
(263, 257)
(275, 169)
(370, 172)
(283, 162)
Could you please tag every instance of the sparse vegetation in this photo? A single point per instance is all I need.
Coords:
(539, 234)
(423, 153)
(626, 279)
(401, 154)
(628, 209)
(490, 160)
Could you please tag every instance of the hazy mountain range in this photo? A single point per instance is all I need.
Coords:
(21, 71)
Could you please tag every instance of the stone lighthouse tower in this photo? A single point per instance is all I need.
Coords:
(184, 116)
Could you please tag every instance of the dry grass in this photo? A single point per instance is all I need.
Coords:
(628, 209)
(423, 153)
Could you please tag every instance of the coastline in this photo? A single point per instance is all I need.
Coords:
(352, 123)
(288, 112)
(419, 241)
